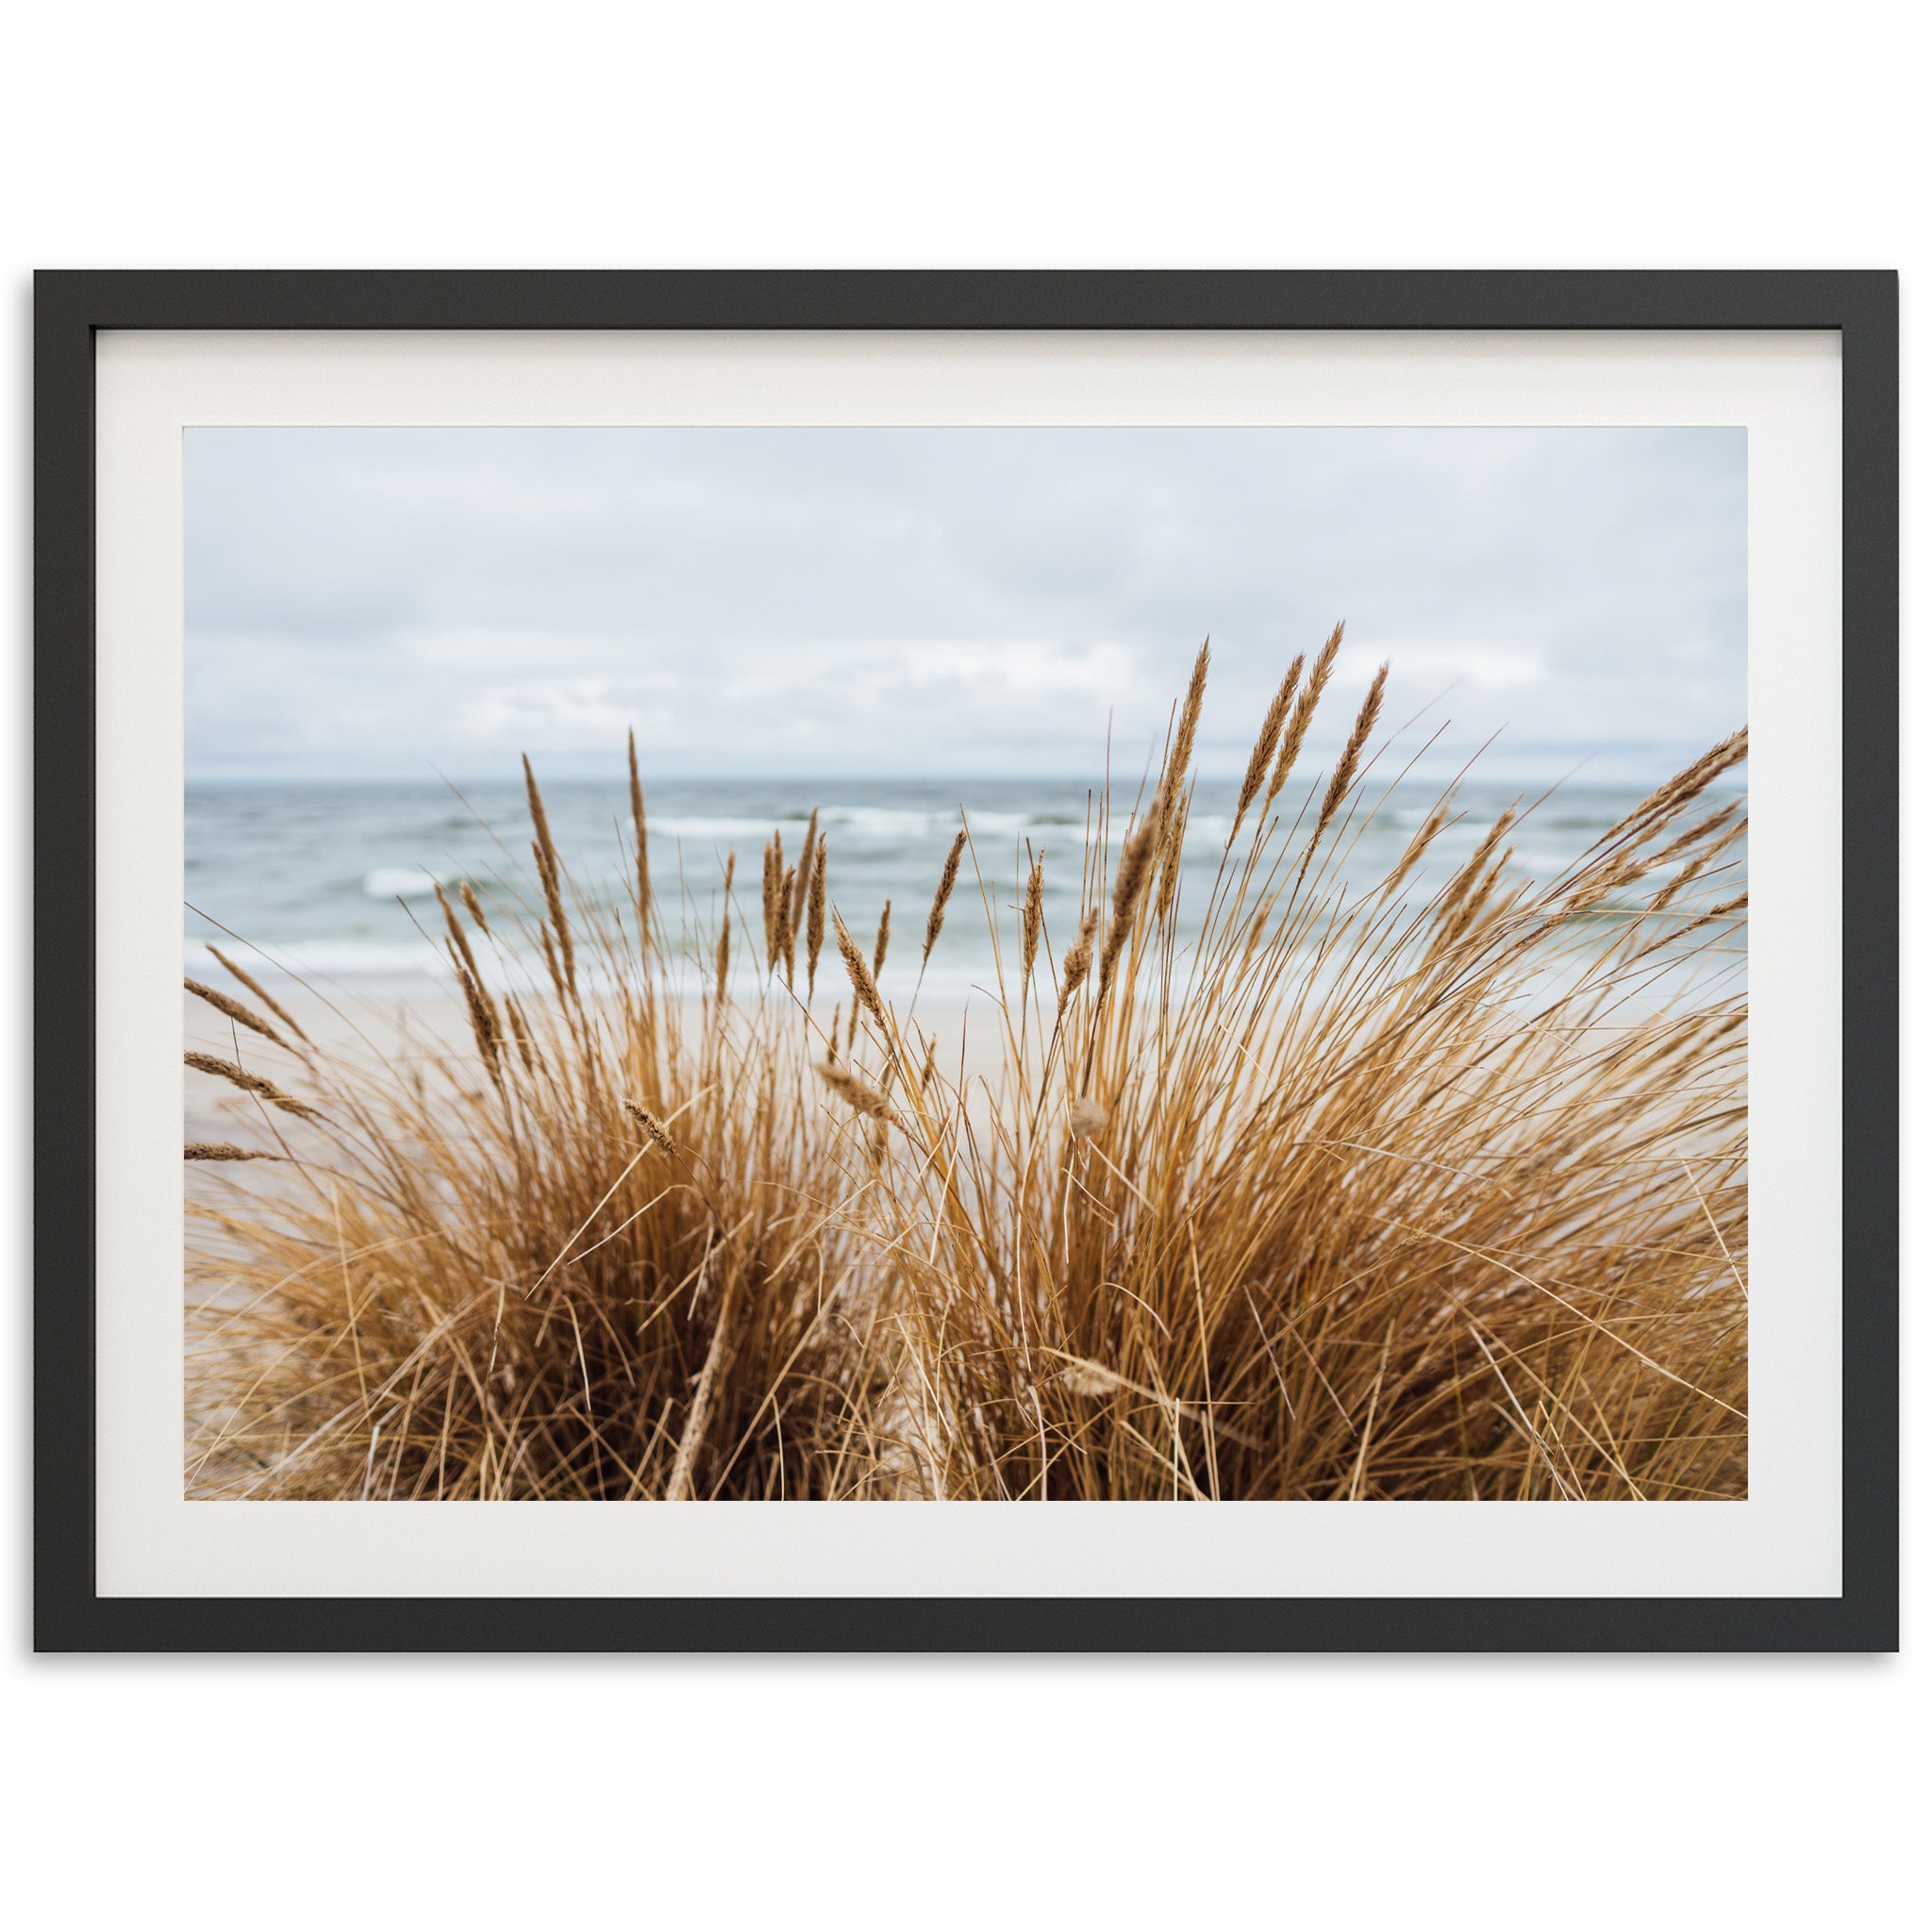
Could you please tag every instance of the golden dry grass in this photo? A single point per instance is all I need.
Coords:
(1402, 1196)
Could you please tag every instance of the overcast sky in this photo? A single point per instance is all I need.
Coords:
(397, 602)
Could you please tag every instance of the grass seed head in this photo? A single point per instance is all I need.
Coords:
(855, 1092)
(655, 1130)
(1074, 968)
(260, 991)
(1032, 915)
(949, 874)
(639, 835)
(1130, 881)
(1303, 714)
(249, 1083)
(225, 1150)
(807, 865)
(815, 921)
(235, 1011)
(550, 876)
(1265, 742)
(864, 987)
(1351, 753)
(1182, 753)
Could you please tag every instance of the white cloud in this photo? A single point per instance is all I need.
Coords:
(1481, 667)
(553, 714)
(912, 599)
(981, 671)
(1036, 669)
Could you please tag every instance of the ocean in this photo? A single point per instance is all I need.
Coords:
(333, 882)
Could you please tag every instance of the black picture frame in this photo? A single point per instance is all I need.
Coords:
(72, 308)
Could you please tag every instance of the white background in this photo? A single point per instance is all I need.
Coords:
(1673, 1793)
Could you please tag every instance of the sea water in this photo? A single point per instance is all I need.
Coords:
(334, 883)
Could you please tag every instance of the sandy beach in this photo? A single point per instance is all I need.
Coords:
(435, 1027)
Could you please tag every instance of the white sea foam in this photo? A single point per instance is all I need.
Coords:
(327, 959)
(399, 882)
(704, 826)
(867, 823)
(413, 967)
(884, 825)
(995, 824)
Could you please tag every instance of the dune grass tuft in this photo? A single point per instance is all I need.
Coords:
(1324, 1196)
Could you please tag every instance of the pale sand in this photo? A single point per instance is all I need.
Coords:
(389, 1030)
(434, 1026)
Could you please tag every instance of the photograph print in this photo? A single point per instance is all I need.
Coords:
(970, 964)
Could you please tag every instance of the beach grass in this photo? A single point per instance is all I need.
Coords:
(1328, 1194)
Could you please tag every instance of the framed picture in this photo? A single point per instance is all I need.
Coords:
(966, 961)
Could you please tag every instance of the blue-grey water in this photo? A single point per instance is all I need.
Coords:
(333, 882)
